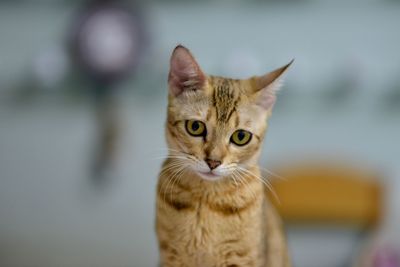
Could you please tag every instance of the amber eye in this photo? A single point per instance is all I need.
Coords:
(241, 137)
(196, 128)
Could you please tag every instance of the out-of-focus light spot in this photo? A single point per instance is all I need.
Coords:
(108, 42)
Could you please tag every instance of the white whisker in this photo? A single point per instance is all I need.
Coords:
(245, 183)
(175, 167)
(270, 172)
(175, 178)
(261, 179)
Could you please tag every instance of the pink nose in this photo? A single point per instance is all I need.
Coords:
(212, 163)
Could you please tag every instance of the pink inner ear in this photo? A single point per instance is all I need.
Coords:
(266, 100)
(180, 75)
(185, 74)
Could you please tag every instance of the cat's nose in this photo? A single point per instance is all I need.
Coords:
(212, 163)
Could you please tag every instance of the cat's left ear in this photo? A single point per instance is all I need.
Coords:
(267, 86)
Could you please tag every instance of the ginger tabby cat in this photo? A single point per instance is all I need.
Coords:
(212, 209)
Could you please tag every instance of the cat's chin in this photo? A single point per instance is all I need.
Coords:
(209, 176)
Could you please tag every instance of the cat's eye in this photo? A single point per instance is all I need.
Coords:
(196, 128)
(241, 137)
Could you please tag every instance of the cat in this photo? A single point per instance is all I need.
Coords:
(212, 209)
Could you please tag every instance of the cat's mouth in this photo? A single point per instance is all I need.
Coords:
(211, 176)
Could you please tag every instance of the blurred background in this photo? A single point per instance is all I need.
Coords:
(83, 93)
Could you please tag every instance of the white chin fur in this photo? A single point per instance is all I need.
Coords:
(204, 172)
(209, 176)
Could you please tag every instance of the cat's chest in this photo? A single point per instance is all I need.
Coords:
(200, 226)
(204, 228)
(211, 222)
(204, 234)
(212, 235)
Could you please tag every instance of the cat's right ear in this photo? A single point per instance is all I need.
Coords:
(184, 73)
(267, 86)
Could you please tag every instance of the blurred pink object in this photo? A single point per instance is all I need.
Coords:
(386, 257)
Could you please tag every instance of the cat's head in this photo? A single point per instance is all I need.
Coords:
(216, 126)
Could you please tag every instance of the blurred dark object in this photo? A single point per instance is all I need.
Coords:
(342, 89)
(391, 99)
(106, 43)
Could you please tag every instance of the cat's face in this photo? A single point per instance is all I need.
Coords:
(215, 126)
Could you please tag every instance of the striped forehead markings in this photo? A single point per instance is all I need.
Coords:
(224, 99)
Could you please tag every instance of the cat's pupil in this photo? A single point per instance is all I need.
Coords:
(195, 126)
(240, 135)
